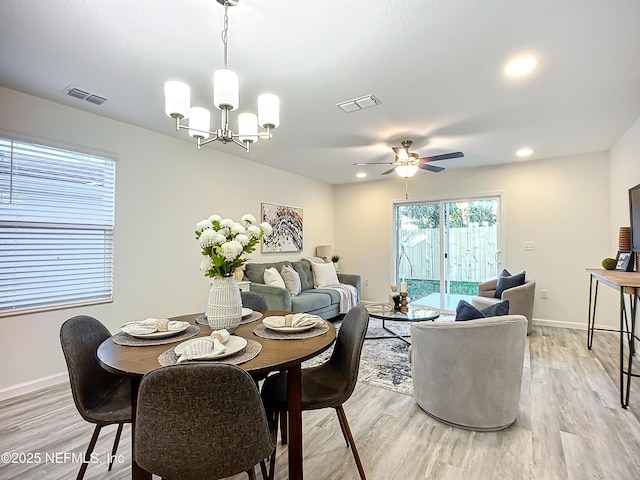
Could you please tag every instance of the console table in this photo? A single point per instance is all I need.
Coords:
(628, 285)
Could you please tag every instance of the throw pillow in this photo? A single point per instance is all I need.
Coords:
(273, 278)
(466, 311)
(324, 275)
(506, 281)
(291, 280)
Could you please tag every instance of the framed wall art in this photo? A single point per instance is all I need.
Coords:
(287, 228)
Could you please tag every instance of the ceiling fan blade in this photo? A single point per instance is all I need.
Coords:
(431, 168)
(444, 156)
(375, 163)
(391, 170)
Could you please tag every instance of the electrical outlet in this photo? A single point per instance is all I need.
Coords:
(366, 282)
(529, 246)
(544, 294)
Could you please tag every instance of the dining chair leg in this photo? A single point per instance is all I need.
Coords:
(251, 473)
(263, 470)
(115, 445)
(92, 444)
(344, 433)
(354, 450)
(284, 427)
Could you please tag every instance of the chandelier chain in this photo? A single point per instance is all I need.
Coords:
(225, 32)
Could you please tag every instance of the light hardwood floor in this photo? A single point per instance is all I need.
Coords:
(570, 426)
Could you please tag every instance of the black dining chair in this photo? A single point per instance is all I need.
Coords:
(327, 385)
(254, 301)
(100, 397)
(197, 421)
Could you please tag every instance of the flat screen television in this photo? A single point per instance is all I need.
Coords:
(634, 214)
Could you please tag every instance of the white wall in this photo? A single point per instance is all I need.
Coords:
(164, 186)
(624, 159)
(561, 204)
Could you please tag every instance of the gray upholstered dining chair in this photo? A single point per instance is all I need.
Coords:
(327, 385)
(254, 301)
(100, 397)
(196, 421)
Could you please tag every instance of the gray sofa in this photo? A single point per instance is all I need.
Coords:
(318, 301)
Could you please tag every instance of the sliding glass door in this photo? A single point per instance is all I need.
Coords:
(444, 249)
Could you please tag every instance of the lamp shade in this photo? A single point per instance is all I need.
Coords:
(199, 122)
(177, 99)
(226, 89)
(268, 110)
(406, 171)
(248, 127)
(324, 251)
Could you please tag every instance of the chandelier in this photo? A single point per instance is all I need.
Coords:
(226, 88)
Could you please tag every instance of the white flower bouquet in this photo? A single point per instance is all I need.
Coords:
(224, 241)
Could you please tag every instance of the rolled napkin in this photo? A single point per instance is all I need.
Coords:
(292, 320)
(206, 346)
(152, 325)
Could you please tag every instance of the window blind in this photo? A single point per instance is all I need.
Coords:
(56, 227)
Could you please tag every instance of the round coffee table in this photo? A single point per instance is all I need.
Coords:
(415, 313)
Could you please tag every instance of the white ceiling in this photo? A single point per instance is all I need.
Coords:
(436, 66)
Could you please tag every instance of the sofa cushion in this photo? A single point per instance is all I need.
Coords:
(334, 294)
(272, 277)
(303, 268)
(308, 302)
(291, 280)
(466, 311)
(324, 275)
(255, 271)
(506, 281)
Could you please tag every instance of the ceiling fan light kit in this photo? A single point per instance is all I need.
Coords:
(226, 97)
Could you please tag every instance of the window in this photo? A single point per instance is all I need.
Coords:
(56, 228)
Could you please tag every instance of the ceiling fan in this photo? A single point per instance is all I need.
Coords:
(408, 163)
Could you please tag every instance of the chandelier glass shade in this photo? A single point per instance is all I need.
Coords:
(226, 97)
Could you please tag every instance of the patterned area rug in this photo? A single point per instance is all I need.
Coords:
(384, 363)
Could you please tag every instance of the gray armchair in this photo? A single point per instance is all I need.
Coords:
(469, 374)
(520, 298)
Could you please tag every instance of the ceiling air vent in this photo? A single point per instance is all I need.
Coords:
(96, 99)
(84, 95)
(359, 103)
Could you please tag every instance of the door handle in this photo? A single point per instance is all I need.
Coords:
(497, 257)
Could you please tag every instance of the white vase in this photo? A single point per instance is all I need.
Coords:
(224, 308)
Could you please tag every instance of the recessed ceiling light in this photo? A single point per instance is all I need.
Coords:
(361, 175)
(524, 152)
(520, 66)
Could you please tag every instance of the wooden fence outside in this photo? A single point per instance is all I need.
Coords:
(471, 254)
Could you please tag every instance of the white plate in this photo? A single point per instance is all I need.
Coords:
(289, 329)
(246, 312)
(234, 345)
(160, 334)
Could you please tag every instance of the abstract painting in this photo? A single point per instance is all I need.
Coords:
(287, 228)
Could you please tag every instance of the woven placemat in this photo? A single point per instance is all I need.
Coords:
(249, 352)
(202, 319)
(264, 332)
(127, 340)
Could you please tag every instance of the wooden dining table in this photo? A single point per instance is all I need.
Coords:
(276, 355)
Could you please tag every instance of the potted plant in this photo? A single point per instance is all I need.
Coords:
(335, 259)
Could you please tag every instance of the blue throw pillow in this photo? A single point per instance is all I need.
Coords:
(506, 281)
(466, 311)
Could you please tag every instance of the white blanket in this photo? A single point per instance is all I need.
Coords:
(348, 296)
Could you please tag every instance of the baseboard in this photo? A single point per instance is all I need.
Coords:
(32, 386)
(555, 323)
